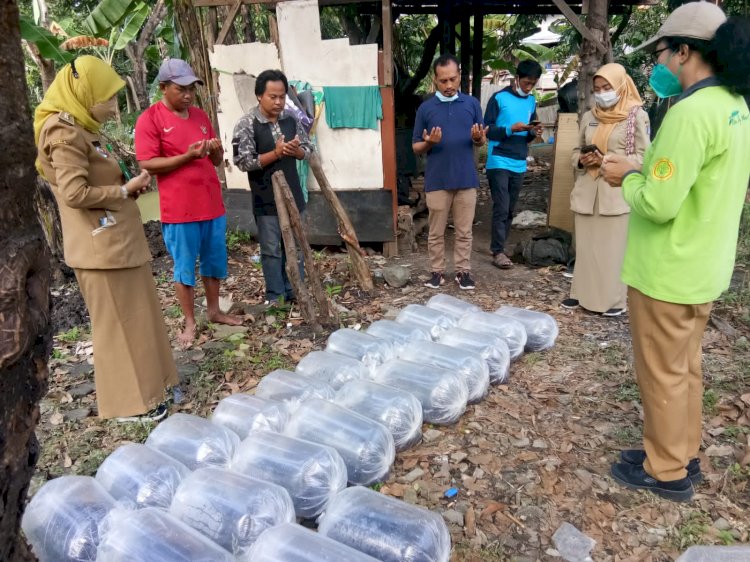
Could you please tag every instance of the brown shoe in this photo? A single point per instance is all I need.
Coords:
(502, 261)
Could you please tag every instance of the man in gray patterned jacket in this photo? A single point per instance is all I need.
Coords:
(266, 140)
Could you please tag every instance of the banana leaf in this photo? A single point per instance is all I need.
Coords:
(47, 43)
(107, 15)
(132, 25)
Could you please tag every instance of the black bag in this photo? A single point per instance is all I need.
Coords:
(548, 248)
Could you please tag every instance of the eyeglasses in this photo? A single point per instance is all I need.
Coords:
(657, 53)
(73, 69)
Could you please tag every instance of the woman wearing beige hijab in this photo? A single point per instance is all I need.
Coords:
(616, 125)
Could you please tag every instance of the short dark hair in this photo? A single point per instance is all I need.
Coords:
(529, 69)
(444, 60)
(269, 76)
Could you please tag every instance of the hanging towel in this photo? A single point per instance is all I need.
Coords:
(353, 107)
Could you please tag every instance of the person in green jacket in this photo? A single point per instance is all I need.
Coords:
(686, 201)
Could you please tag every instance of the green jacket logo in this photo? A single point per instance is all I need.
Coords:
(736, 118)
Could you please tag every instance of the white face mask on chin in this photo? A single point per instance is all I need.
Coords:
(606, 99)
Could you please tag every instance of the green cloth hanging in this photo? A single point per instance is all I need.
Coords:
(353, 107)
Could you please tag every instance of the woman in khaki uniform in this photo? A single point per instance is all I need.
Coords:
(104, 242)
(616, 125)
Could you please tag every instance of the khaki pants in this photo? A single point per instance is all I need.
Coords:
(133, 364)
(462, 202)
(667, 351)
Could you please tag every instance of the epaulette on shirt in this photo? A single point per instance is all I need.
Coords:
(66, 117)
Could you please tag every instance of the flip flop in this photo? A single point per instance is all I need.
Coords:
(502, 261)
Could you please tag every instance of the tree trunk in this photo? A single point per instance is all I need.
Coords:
(247, 24)
(136, 52)
(24, 292)
(591, 58)
(190, 35)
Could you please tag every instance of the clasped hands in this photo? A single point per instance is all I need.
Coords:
(205, 147)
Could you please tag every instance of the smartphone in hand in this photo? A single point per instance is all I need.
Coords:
(589, 148)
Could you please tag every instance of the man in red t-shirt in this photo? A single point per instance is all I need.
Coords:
(175, 142)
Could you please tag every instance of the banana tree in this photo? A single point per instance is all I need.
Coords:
(131, 25)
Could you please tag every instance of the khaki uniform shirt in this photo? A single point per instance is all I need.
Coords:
(86, 182)
(587, 189)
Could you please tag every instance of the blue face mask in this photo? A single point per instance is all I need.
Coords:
(443, 98)
(664, 82)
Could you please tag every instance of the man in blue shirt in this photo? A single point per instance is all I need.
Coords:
(448, 126)
(511, 117)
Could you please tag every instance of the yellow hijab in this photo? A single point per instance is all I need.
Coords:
(623, 84)
(96, 82)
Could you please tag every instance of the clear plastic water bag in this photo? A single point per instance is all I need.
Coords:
(387, 529)
(493, 350)
(244, 413)
(62, 521)
(451, 305)
(194, 441)
(370, 350)
(397, 333)
(505, 327)
(467, 364)
(153, 535)
(292, 388)
(541, 328)
(140, 476)
(310, 472)
(434, 321)
(231, 509)
(365, 445)
(400, 412)
(442, 393)
(336, 370)
(294, 543)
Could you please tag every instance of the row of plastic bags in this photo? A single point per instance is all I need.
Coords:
(290, 450)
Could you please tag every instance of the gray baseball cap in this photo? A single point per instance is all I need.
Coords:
(694, 20)
(177, 71)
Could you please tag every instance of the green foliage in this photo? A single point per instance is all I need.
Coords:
(627, 392)
(71, 336)
(333, 290)
(236, 238)
(107, 14)
(692, 531)
(47, 42)
(710, 401)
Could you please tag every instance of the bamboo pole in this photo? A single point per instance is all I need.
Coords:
(330, 318)
(346, 230)
(292, 263)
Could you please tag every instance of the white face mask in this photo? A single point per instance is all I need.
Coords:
(445, 98)
(607, 99)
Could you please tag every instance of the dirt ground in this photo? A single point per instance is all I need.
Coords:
(534, 454)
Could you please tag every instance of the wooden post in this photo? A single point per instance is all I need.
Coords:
(465, 52)
(346, 230)
(476, 72)
(228, 24)
(283, 196)
(292, 261)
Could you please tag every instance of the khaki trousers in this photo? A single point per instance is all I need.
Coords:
(133, 363)
(667, 351)
(462, 203)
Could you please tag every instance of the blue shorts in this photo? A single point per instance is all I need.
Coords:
(186, 241)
